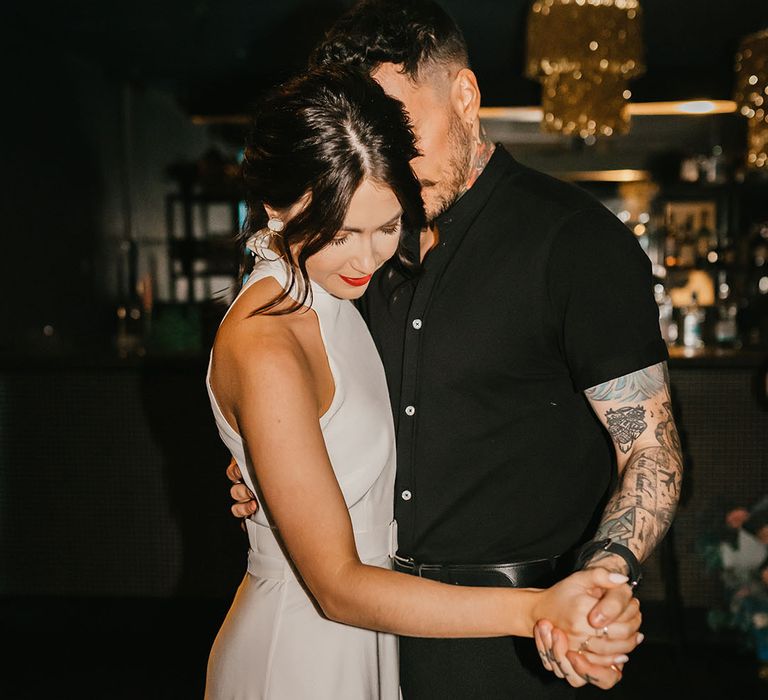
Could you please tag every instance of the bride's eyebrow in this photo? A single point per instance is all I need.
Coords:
(350, 229)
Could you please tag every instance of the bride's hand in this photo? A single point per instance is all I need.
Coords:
(597, 657)
(568, 603)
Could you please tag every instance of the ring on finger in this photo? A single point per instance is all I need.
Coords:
(584, 646)
(617, 669)
(603, 632)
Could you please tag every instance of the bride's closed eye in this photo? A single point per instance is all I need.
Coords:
(390, 230)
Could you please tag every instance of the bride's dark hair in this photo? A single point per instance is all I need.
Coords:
(320, 135)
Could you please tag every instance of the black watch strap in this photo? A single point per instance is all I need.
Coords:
(588, 550)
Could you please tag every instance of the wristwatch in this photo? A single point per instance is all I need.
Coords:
(586, 551)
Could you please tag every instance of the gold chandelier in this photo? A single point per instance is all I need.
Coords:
(751, 95)
(584, 52)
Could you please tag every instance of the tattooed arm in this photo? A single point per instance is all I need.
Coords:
(636, 410)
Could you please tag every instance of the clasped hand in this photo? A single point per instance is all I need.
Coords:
(598, 621)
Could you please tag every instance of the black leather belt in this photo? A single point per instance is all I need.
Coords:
(533, 573)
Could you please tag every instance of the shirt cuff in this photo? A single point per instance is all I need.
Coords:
(621, 364)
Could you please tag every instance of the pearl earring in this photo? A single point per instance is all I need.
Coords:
(260, 243)
(275, 225)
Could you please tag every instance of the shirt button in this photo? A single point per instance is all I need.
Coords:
(406, 495)
(417, 323)
(409, 410)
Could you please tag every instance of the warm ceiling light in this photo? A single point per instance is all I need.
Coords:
(530, 115)
(533, 115)
(750, 93)
(693, 107)
(636, 109)
(584, 53)
(698, 107)
(626, 175)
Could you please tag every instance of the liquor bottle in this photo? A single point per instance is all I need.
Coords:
(667, 322)
(758, 254)
(129, 339)
(726, 309)
(706, 242)
(671, 251)
(687, 257)
(693, 323)
(130, 329)
(727, 251)
(754, 312)
(716, 165)
(657, 241)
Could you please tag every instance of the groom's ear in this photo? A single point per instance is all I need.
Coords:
(465, 96)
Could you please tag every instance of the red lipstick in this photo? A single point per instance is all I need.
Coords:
(356, 281)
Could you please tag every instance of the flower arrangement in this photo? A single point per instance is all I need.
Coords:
(740, 555)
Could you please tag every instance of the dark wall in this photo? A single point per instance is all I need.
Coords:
(84, 154)
(51, 193)
(112, 485)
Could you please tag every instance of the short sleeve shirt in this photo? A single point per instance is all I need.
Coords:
(534, 293)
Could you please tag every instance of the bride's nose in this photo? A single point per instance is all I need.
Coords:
(364, 256)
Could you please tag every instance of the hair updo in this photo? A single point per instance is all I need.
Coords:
(321, 134)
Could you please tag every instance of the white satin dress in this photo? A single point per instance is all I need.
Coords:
(274, 644)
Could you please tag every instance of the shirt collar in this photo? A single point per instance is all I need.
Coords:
(474, 199)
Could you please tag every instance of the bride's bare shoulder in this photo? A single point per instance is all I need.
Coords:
(244, 335)
(257, 357)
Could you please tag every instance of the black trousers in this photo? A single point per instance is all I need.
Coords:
(496, 668)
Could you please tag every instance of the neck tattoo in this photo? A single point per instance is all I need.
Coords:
(483, 152)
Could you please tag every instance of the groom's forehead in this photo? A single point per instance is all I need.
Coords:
(416, 94)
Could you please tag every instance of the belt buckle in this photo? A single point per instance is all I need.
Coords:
(416, 568)
(409, 563)
(404, 561)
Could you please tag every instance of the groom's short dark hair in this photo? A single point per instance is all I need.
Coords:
(414, 33)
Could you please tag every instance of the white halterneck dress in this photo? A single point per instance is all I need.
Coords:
(274, 643)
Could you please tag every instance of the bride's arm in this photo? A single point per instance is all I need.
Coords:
(276, 409)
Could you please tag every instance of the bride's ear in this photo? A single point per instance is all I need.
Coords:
(286, 215)
(272, 213)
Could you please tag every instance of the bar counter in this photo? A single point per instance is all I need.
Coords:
(679, 357)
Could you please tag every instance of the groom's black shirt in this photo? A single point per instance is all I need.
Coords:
(534, 293)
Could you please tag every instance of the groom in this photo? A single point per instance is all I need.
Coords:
(526, 372)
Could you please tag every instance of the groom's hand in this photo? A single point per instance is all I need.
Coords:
(244, 500)
(598, 660)
(615, 600)
(577, 667)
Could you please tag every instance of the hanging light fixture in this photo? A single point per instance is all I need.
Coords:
(584, 53)
(751, 95)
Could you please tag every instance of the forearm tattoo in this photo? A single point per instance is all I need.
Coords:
(640, 511)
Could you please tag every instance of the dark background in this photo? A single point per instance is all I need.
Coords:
(118, 556)
(99, 98)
